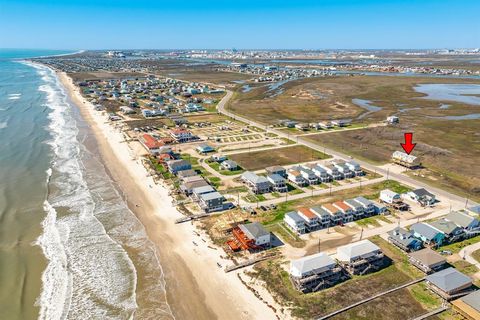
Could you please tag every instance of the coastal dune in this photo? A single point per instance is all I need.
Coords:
(196, 287)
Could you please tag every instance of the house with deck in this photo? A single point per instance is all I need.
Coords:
(404, 239)
(355, 168)
(368, 205)
(296, 177)
(295, 222)
(323, 215)
(278, 182)
(311, 219)
(467, 222)
(428, 234)
(315, 272)
(211, 201)
(427, 260)
(423, 197)
(321, 173)
(346, 210)
(468, 306)
(182, 135)
(343, 169)
(229, 165)
(308, 175)
(361, 257)
(336, 215)
(175, 166)
(449, 283)
(332, 171)
(281, 171)
(451, 231)
(256, 183)
(251, 237)
(358, 209)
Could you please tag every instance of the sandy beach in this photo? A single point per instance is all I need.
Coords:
(196, 287)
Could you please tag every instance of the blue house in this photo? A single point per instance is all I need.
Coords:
(428, 234)
(204, 148)
(404, 239)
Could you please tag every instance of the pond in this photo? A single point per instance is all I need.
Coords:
(464, 93)
(367, 105)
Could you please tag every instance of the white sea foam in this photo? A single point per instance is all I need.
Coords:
(14, 96)
(3, 124)
(88, 275)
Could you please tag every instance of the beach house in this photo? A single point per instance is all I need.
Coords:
(296, 177)
(211, 201)
(308, 175)
(278, 182)
(311, 219)
(355, 168)
(346, 210)
(175, 166)
(336, 215)
(468, 306)
(451, 231)
(428, 234)
(404, 239)
(315, 272)
(390, 197)
(422, 196)
(332, 171)
(281, 171)
(358, 209)
(320, 172)
(449, 282)
(181, 135)
(256, 183)
(468, 223)
(343, 169)
(229, 165)
(361, 257)
(323, 215)
(427, 260)
(368, 206)
(295, 222)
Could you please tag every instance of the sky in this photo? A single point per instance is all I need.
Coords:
(245, 24)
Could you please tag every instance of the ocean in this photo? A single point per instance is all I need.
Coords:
(70, 248)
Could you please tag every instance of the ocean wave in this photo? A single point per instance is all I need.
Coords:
(88, 273)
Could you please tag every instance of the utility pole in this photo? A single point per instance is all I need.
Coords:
(318, 244)
(361, 234)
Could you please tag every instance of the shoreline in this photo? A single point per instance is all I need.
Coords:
(190, 271)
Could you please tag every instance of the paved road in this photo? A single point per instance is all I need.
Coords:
(457, 201)
(467, 253)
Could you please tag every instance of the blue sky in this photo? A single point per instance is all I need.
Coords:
(320, 24)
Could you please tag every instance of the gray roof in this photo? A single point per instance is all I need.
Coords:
(353, 203)
(311, 263)
(179, 162)
(356, 250)
(319, 211)
(295, 217)
(253, 177)
(473, 300)
(445, 226)
(187, 173)
(402, 236)
(425, 230)
(428, 257)
(231, 163)
(275, 178)
(449, 279)
(255, 230)
(460, 219)
(274, 169)
(363, 201)
(204, 189)
(211, 196)
(422, 192)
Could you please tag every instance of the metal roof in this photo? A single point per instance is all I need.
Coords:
(473, 300)
(295, 217)
(428, 257)
(445, 226)
(254, 178)
(356, 250)
(211, 196)
(254, 230)
(460, 219)
(314, 262)
(425, 230)
(449, 279)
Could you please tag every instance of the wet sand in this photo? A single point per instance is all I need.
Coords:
(196, 287)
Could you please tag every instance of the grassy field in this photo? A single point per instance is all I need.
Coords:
(448, 149)
(457, 246)
(403, 304)
(256, 160)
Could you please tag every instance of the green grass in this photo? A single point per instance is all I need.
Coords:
(254, 198)
(457, 246)
(365, 222)
(425, 296)
(216, 166)
(465, 267)
(476, 255)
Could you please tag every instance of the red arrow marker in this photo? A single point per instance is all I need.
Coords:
(408, 145)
